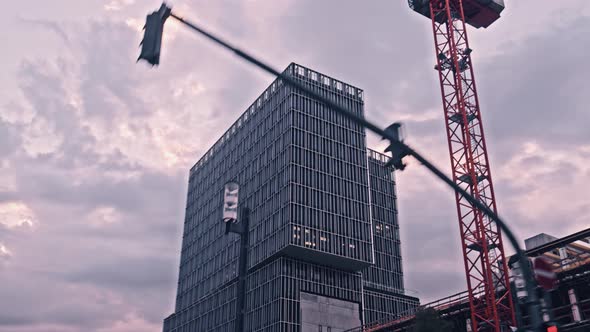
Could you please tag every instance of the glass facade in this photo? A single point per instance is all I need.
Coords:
(386, 274)
(323, 215)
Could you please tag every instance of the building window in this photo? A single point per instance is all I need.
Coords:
(339, 86)
(314, 76)
(325, 80)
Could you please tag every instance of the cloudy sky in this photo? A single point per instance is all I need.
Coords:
(95, 149)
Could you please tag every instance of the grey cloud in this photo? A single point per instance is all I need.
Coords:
(132, 273)
(9, 139)
(9, 319)
(151, 206)
(132, 195)
(379, 46)
(109, 70)
(431, 248)
(59, 305)
(47, 25)
(535, 90)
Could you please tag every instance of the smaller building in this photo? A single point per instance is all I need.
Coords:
(569, 303)
(538, 240)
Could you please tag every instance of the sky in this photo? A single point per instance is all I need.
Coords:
(95, 148)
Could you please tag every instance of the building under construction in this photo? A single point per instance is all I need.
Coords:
(568, 304)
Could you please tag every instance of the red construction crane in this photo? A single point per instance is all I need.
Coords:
(483, 251)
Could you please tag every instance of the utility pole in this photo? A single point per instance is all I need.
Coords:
(239, 226)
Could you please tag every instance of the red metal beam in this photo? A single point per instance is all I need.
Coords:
(484, 258)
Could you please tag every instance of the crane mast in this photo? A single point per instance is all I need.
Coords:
(483, 252)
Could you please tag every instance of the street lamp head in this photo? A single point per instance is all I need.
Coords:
(396, 137)
(152, 38)
(230, 202)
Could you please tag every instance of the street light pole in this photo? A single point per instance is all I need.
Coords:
(241, 228)
(238, 224)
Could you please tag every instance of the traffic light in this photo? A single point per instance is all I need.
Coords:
(552, 328)
(397, 151)
(152, 38)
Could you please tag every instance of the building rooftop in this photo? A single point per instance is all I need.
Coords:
(295, 70)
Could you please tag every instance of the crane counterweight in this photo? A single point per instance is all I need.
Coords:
(478, 13)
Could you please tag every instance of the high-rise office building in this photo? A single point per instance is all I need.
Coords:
(324, 247)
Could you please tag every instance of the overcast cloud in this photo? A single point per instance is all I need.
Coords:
(95, 149)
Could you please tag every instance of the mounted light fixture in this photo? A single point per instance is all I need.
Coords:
(230, 202)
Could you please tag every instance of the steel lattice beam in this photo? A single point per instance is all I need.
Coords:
(485, 263)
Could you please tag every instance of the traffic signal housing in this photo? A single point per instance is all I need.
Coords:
(152, 38)
(398, 152)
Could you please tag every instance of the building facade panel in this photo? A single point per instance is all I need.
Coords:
(329, 195)
(386, 273)
(275, 291)
(381, 306)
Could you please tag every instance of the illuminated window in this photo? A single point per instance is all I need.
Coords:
(339, 86)
(325, 80)
(314, 76)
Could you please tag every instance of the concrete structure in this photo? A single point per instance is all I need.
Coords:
(323, 224)
(319, 311)
(568, 304)
(538, 240)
